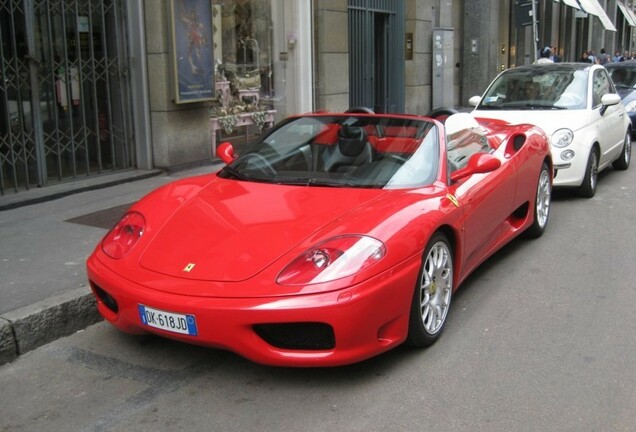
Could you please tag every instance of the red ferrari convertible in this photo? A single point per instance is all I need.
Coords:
(329, 240)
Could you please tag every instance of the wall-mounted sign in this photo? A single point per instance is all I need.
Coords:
(83, 25)
(523, 12)
(408, 46)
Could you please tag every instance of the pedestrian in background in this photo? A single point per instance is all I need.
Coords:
(553, 55)
(618, 57)
(603, 58)
(544, 56)
(585, 58)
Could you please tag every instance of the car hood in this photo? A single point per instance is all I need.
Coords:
(548, 120)
(626, 94)
(231, 230)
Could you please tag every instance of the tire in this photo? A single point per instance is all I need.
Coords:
(588, 187)
(622, 163)
(541, 204)
(432, 294)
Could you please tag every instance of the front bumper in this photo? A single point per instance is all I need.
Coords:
(570, 172)
(366, 319)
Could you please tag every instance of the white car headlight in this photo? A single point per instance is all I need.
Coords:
(630, 106)
(562, 138)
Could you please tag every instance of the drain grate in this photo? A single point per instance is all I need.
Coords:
(103, 218)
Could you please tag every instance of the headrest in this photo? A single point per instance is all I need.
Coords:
(352, 140)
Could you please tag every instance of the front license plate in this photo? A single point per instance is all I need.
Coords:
(169, 321)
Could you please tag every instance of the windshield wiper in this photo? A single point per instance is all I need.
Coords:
(530, 106)
(336, 183)
(543, 106)
(313, 181)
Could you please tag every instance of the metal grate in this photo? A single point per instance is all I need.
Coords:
(103, 218)
(298, 336)
(64, 99)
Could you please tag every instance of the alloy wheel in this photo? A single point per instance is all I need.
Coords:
(436, 287)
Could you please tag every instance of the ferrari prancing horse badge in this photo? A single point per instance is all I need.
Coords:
(452, 199)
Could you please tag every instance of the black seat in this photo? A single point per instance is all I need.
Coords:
(352, 150)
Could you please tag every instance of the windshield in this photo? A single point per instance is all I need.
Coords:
(529, 89)
(623, 76)
(342, 150)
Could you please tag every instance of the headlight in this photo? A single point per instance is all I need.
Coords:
(630, 106)
(333, 259)
(121, 239)
(562, 138)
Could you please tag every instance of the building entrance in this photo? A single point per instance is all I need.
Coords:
(64, 97)
(376, 54)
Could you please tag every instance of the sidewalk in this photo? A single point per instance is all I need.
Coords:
(46, 234)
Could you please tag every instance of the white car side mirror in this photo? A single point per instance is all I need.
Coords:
(610, 99)
(474, 101)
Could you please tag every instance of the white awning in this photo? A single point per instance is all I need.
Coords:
(594, 8)
(628, 14)
(572, 3)
(631, 13)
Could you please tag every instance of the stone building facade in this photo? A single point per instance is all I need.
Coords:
(92, 88)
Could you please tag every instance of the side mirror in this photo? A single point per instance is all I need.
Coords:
(474, 101)
(478, 163)
(609, 99)
(225, 152)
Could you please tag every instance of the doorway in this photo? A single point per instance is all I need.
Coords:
(376, 55)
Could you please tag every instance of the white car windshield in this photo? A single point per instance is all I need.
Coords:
(367, 151)
(530, 89)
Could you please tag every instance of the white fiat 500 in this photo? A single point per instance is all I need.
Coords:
(576, 105)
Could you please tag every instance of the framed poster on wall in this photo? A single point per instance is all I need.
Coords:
(192, 51)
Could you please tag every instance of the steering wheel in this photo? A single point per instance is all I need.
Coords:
(570, 99)
(260, 163)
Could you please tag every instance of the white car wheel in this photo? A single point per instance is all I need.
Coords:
(588, 187)
(622, 163)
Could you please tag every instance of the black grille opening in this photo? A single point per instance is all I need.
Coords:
(518, 142)
(106, 298)
(298, 336)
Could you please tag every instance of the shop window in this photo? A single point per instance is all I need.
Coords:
(244, 81)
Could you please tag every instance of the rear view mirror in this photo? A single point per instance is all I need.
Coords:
(478, 163)
(609, 99)
(225, 152)
(474, 101)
